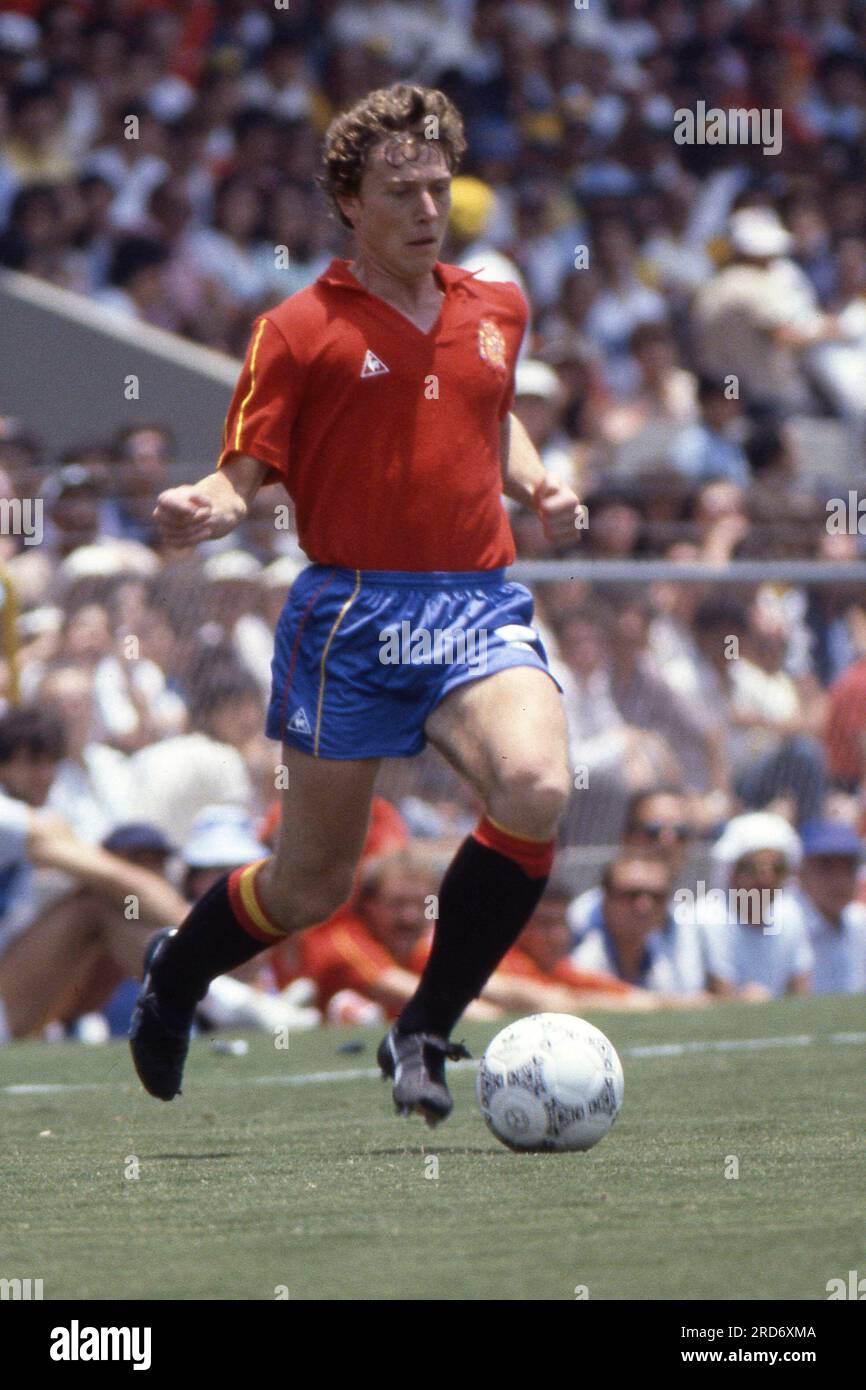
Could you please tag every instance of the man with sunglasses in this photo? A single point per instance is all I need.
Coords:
(656, 824)
(753, 930)
(626, 936)
(836, 923)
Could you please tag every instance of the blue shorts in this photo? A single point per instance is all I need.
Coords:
(362, 656)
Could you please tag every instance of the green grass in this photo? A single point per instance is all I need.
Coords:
(318, 1187)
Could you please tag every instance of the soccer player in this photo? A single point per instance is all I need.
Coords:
(380, 397)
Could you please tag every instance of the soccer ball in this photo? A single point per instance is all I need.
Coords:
(550, 1082)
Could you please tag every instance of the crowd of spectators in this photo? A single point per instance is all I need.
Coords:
(695, 366)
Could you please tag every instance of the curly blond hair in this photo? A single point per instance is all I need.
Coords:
(403, 114)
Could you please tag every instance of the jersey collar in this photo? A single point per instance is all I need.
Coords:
(338, 273)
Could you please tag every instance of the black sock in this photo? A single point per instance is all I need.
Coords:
(209, 942)
(485, 901)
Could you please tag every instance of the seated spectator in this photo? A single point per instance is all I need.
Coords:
(621, 303)
(647, 425)
(775, 717)
(143, 455)
(93, 789)
(759, 315)
(627, 938)
(656, 822)
(612, 756)
(64, 960)
(73, 509)
(539, 403)
(712, 447)
(177, 777)
(132, 703)
(222, 839)
(836, 923)
(225, 252)
(137, 287)
(754, 935)
(537, 976)
(141, 844)
(645, 700)
(377, 948)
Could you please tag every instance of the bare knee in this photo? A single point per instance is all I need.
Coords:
(302, 898)
(530, 797)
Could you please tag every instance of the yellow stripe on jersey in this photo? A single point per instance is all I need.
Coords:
(331, 635)
(248, 397)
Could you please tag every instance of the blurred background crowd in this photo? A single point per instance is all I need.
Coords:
(695, 366)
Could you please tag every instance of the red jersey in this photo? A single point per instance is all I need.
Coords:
(385, 438)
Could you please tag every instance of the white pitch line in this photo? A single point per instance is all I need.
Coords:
(317, 1078)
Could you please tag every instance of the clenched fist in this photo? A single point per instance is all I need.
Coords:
(556, 505)
(187, 515)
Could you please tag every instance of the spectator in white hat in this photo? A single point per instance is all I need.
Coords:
(755, 940)
(756, 318)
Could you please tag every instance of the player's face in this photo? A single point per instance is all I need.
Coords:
(400, 214)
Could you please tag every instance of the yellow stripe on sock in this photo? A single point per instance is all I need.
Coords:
(518, 834)
(246, 888)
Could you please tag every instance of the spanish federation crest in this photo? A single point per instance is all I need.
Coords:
(491, 344)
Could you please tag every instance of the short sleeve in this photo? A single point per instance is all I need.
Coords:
(515, 342)
(265, 402)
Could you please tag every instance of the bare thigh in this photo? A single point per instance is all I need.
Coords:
(507, 735)
(325, 811)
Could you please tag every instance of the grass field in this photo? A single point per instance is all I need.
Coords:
(265, 1175)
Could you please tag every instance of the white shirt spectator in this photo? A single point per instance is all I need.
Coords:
(675, 953)
(741, 955)
(840, 949)
(96, 797)
(176, 778)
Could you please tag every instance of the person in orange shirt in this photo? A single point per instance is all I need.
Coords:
(374, 950)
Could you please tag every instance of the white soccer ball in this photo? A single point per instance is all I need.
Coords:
(550, 1082)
